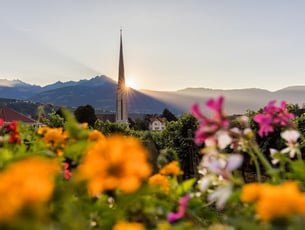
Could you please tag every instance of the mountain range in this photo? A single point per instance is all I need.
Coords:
(100, 92)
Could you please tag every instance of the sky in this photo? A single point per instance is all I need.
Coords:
(168, 44)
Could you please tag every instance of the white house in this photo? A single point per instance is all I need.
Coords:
(157, 123)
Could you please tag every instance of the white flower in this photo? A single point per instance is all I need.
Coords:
(291, 136)
(220, 165)
(223, 139)
(203, 171)
(221, 195)
(204, 182)
(274, 161)
(234, 161)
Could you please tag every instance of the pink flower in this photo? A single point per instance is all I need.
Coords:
(273, 116)
(264, 121)
(208, 126)
(181, 210)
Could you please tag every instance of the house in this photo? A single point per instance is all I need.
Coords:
(9, 115)
(157, 123)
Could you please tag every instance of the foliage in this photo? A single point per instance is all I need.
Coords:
(85, 114)
(138, 124)
(108, 127)
(168, 115)
(69, 176)
(178, 136)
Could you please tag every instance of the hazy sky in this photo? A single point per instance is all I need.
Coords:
(168, 44)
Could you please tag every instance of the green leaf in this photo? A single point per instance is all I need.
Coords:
(185, 186)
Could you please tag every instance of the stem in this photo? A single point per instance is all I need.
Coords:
(269, 169)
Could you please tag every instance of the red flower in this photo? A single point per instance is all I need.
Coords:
(67, 173)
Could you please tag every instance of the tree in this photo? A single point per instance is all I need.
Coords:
(108, 127)
(138, 124)
(168, 115)
(179, 136)
(85, 114)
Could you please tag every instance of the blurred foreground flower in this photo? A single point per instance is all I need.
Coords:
(216, 165)
(67, 172)
(171, 169)
(209, 126)
(128, 226)
(116, 162)
(26, 183)
(159, 180)
(181, 210)
(275, 201)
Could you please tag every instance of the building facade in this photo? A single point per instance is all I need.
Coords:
(157, 123)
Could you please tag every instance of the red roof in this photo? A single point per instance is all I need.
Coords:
(9, 115)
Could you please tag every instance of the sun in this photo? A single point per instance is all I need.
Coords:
(131, 84)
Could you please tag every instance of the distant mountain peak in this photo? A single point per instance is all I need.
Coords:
(12, 83)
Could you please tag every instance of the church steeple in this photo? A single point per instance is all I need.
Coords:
(121, 94)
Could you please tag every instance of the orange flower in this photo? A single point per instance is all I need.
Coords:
(114, 162)
(250, 192)
(84, 125)
(95, 135)
(276, 201)
(54, 137)
(159, 180)
(128, 226)
(26, 183)
(171, 169)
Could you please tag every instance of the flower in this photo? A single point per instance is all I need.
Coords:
(205, 182)
(114, 162)
(171, 169)
(95, 135)
(122, 225)
(181, 210)
(54, 137)
(273, 116)
(26, 183)
(9, 132)
(159, 180)
(221, 195)
(264, 121)
(273, 153)
(220, 165)
(291, 136)
(67, 173)
(275, 201)
(209, 126)
(250, 192)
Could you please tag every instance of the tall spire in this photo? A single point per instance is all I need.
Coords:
(121, 94)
